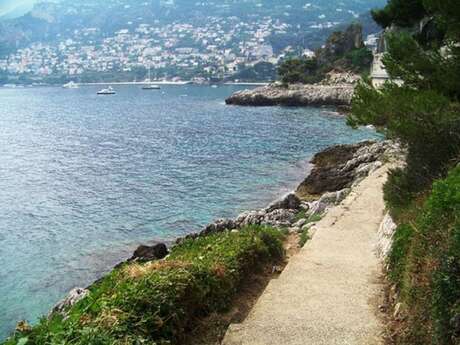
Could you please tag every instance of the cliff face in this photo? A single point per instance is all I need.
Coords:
(340, 43)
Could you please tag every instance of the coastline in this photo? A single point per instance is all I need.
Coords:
(336, 89)
(331, 175)
(295, 214)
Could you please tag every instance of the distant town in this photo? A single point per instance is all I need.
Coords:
(220, 48)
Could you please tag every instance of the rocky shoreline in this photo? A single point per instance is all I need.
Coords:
(293, 95)
(336, 89)
(336, 171)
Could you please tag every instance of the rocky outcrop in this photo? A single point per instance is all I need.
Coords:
(339, 167)
(149, 253)
(72, 298)
(339, 43)
(336, 170)
(294, 95)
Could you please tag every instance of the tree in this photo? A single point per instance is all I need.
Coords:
(300, 70)
(400, 13)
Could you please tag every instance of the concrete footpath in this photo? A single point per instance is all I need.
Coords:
(329, 292)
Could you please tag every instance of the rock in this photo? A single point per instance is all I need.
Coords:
(308, 226)
(317, 208)
(363, 170)
(340, 78)
(385, 236)
(397, 310)
(294, 95)
(72, 298)
(340, 43)
(23, 327)
(287, 202)
(342, 194)
(149, 253)
(250, 218)
(279, 218)
(304, 206)
(328, 198)
(294, 230)
(300, 223)
(218, 226)
(337, 168)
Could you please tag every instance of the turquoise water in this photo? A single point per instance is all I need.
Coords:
(86, 178)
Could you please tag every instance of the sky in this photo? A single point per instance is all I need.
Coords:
(15, 7)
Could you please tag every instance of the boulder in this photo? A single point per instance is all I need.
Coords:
(218, 226)
(72, 298)
(300, 223)
(317, 208)
(342, 194)
(148, 253)
(279, 218)
(337, 168)
(287, 202)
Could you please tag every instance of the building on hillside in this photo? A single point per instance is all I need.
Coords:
(379, 75)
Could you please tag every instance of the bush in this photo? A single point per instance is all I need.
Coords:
(398, 191)
(425, 264)
(360, 59)
(298, 71)
(425, 121)
(159, 302)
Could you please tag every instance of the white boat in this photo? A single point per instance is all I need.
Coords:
(70, 85)
(108, 91)
(148, 84)
(151, 87)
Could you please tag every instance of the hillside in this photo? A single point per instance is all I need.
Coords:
(237, 31)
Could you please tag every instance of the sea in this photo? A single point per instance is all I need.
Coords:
(85, 179)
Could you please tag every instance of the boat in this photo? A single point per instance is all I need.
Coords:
(149, 85)
(70, 85)
(108, 91)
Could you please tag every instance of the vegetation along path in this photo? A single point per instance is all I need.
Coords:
(329, 292)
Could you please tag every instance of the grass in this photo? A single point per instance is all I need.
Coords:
(304, 234)
(159, 303)
(304, 238)
(424, 263)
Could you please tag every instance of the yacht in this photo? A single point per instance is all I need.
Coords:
(151, 87)
(70, 85)
(148, 84)
(108, 91)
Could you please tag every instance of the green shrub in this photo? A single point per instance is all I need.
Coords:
(359, 59)
(159, 302)
(304, 238)
(425, 264)
(398, 191)
(397, 259)
(300, 70)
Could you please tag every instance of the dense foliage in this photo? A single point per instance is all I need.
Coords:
(261, 71)
(303, 70)
(344, 50)
(400, 12)
(422, 111)
(425, 264)
(159, 302)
